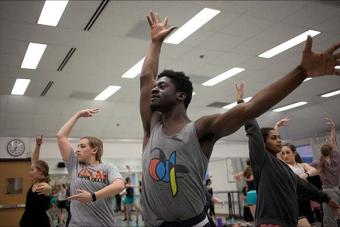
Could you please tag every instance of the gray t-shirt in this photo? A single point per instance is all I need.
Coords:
(91, 178)
(174, 168)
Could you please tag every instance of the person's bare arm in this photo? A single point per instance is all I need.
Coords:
(282, 122)
(159, 30)
(129, 171)
(108, 191)
(44, 188)
(36, 152)
(310, 170)
(64, 144)
(312, 65)
(333, 141)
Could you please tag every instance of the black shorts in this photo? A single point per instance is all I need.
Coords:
(62, 204)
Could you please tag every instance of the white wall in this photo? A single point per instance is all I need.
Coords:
(118, 152)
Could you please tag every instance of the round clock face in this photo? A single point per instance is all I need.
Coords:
(15, 147)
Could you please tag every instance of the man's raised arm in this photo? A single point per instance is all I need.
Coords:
(312, 65)
(159, 30)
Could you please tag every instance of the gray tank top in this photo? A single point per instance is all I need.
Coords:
(174, 168)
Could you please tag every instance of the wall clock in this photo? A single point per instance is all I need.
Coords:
(15, 147)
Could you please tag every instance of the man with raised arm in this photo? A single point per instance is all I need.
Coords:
(176, 150)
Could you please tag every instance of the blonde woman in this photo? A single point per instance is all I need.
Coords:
(93, 183)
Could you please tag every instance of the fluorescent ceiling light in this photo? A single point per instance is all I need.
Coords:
(20, 86)
(305, 80)
(229, 106)
(110, 90)
(290, 106)
(52, 12)
(223, 76)
(33, 55)
(337, 67)
(192, 25)
(329, 94)
(134, 70)
(288, 44)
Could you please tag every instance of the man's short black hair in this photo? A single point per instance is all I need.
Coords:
(181, 82)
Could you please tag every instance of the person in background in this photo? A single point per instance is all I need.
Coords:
(277, 186)
(61, 203)
(329, 170)
(290, 156)
(118, 199)
(93, 183)
(250, 199)
(37, 198)
(303, 170)
(247, 173)
(68, 205)
(129, 200)
(211, 209)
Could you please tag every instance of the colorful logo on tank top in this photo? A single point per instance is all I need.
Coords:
(164, 170)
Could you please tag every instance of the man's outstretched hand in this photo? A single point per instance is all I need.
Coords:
(159, 29)
(319, 64)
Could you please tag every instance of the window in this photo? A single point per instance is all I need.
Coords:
(305, 152)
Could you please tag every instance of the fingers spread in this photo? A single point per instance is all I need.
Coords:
(172, 28)
(333, 48)
(309, 43)
(165, 22)
(94, 110)
(148, 17)
(153, 18)
(157, 18)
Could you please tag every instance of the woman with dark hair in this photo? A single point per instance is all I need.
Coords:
(211, 209)
(303, 170)
(277, 186)
(290, 156)
(329, 171)
(130, 200)
(93, 183)
(37, 198)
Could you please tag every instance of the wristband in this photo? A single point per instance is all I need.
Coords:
(94, 198)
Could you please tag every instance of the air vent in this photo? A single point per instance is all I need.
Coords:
(218, 104)
(48, 86)
(66, 59)
(96, 14)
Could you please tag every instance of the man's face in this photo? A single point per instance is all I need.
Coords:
(163, 95)
(273, 141)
